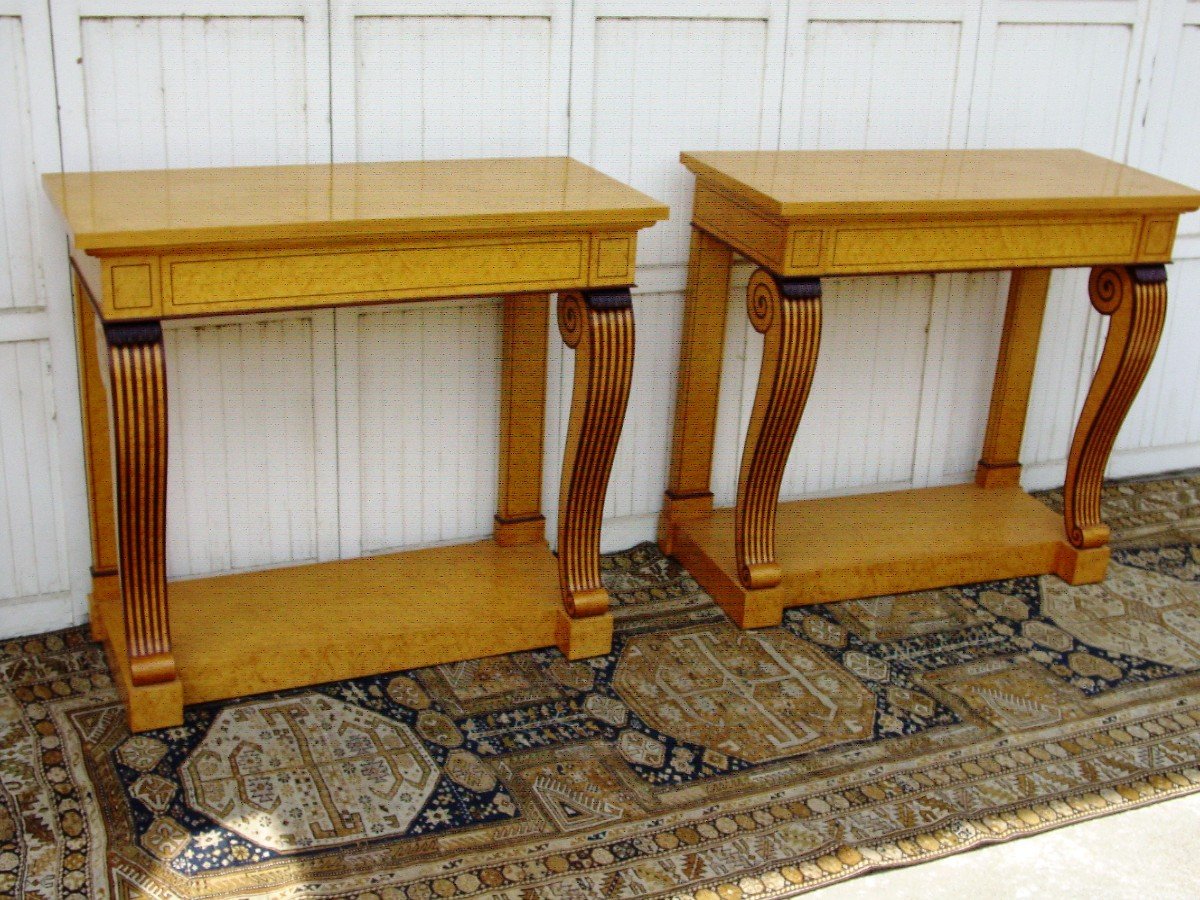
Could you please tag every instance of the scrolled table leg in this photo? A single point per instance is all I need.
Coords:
(1135, 300)
(138, 391)
(787, 312)
(598, 324)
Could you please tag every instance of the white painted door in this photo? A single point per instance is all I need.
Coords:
(307, 436)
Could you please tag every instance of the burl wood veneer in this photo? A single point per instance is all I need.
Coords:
(149, 246)
(801, 216)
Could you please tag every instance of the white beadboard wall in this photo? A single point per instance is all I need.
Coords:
(302, 437)
(42, 549)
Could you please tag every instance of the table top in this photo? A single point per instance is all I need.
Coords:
(795, 184)
(186, 207)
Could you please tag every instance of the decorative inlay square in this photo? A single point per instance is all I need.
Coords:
(805, 248)
(131, 285)
(1158, 237)
(612, 258)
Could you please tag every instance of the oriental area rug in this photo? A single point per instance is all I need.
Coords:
(695, 761)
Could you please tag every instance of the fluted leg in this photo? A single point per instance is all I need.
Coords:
(139, 418)
(599, 326)
(1135, 299)
(787, 311)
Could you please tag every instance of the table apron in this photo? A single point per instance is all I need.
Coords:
(232, 281)
(792, 248)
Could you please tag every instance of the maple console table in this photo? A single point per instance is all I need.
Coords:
(149, 246)
(804, 215)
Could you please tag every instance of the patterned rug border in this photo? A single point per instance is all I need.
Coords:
(771, 829)
(847, 862)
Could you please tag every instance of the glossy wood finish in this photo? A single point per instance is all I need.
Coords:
(154, 245)
(325, 204)
(840, 548)
(326, 621)
(138, 378)
(808, 213)
(817, 214)
(192, 242)
(97, 451)
(598, 325)
(689, 492)
(925, 183)
(787, 312)
(1135, 300)
(999, 463)
(519, 518)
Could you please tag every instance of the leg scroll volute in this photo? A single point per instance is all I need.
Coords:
(599, 326)
(788, 314)
(1135, 300)
(139, 418)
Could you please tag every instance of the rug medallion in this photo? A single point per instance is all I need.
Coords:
(695, 760)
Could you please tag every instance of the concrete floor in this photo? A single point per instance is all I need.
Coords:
(1151, 853)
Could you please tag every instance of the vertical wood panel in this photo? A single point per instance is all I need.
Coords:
(706, 76)
(1076, 99)
(859, 426)
(19, 285)
(213, 83)
(666, 85)
(32, 540)
(428, 389)
(473, 86)
(1178, 158)
(1071, 332)
(964, 339)
(249, 403)
(872, 84)
(639, 474)
(418, 386)
(1166, 412)
(1058, 84)
(36, 548)
(171, 92)
(242, 472)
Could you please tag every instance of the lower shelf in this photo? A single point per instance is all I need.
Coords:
(866, 545)
(248, 633)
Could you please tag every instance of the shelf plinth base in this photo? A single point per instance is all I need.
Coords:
(869, 545)
(252, 632)
(582, 638)
(1075, 566)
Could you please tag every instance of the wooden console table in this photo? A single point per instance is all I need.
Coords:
(804, 215)
(148, 246)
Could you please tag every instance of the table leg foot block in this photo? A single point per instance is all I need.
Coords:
(105, 589)
(582, 638)
(155, 705)
(666, 535)
(149, 706)
(746, 608)
(680, 509)
(517, 532)
(753, 609)
(1087, 566)
(95, 628)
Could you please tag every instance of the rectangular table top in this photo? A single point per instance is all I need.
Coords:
(315, 203)
(887, 183)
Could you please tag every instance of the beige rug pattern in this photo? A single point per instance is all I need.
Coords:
(695, 760)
